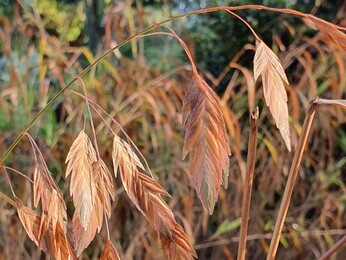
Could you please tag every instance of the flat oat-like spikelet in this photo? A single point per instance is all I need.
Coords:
(52, 242)
(53, 204)
(329, 30)
(104, 185)
(206, 140)
(109, 252)
(105, 192)
(83, 236)
(180, 248)
(268, 65)
(146, 193)
(79, 161)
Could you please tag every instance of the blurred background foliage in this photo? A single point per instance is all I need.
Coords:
(45, 43)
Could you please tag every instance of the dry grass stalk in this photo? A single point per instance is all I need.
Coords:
(341, 243)
(251, 160)
(206, 140)
(109, 252)
(268, 65)
(49, 230)
(274, 243)
(146, 193)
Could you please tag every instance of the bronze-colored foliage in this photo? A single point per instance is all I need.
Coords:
(146, 193)
(206, 140)
(268, 65)
(146, 104)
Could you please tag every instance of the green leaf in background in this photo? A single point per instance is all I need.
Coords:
(269, 226)
(228, 226)
(48, 130)
(284, 242)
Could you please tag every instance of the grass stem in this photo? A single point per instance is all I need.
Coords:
(294, 169)
(333, 249)
(291, 180)
(251, 159)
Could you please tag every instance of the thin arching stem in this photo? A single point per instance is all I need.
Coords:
(91, 119)
(182, 43)
(18, 172)
(246, 23)
(186, 49)
(94, 105)
(9, 181)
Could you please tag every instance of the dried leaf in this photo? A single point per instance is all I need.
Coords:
(206, 140)
(268, 65)
(146, 193)
(79, 161)
(109, 252)
(336, 36)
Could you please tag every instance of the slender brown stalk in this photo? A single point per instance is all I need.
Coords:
(246, 23)
(18, 172)
(9, 181)
(254, 237)
(335, 102)
(294, 170)
(90, 118)
(251, 159)
(274, 243)
(333, 249)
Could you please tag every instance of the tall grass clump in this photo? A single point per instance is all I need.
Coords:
(84, 137)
